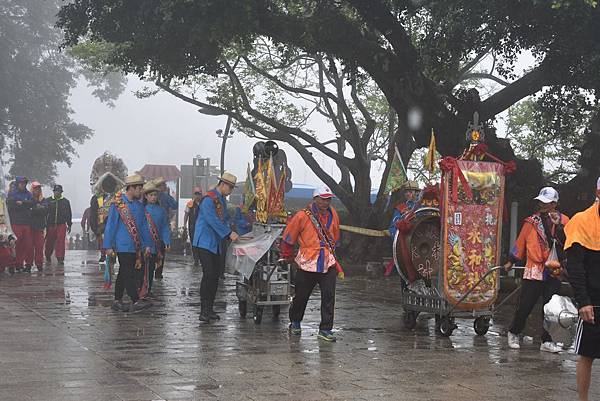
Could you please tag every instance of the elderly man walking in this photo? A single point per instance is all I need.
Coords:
(540, 233)
(583, 264)
(317, 230)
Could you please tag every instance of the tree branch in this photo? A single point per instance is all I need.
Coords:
(279, 126)
(483, 75)
(525, 86)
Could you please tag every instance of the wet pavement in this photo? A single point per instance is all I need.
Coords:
(59, 340)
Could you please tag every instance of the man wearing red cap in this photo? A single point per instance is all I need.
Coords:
(317, 230)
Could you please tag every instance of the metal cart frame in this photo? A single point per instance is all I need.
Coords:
(446, 312)
(269, 285)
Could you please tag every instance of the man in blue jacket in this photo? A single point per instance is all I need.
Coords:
(127, 234)
(212, 228)
(19, 202)
(160, 232)
(171, 207)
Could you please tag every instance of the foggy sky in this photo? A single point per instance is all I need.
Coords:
(158, 130)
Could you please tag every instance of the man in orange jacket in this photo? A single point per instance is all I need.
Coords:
(540, 233)
(317, 230)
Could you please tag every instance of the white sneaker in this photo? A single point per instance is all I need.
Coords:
(550, 347)
(513, 341)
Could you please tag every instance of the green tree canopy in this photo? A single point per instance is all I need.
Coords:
(419, 54)
(36, 126)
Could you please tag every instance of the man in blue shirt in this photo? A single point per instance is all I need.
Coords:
(160, 232)
(171, 207)
(127, 234)
(212, 228)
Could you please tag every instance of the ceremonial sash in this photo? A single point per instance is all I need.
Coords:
(154, 234)
(218, 205)
(129, 222)
(324, 238)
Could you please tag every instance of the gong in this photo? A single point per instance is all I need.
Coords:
(417, 254)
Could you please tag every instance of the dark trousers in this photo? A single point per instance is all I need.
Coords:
(531, 290)
(139, 274)
(159, 263)
(223, 255)
(211, 268)
(196, 254)
(305, 283)
(127, 277)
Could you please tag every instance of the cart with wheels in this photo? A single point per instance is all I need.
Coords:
(447, 247)
(265, 281)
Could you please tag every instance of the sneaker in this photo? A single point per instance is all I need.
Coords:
(27, 269)
(326, 335)
(204, 317)
(61, 262)
(48, 260)
(213, 316)
(102, 259)
(295, 328)
(549, 346)
(39, 268)
(513, 341)
(11, 270)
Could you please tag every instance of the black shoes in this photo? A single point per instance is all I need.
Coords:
(27, 269)
(119, 306)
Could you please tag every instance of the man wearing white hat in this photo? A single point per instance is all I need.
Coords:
(317, 230)
(541, 232)
(212, 227)
(583, 263)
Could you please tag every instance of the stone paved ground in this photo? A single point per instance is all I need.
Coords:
(59, 340)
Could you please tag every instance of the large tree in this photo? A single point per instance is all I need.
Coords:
(36, 126)
(418, 53)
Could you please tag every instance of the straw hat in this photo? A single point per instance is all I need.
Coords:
(228, 178)
(150, 187)
(135, 179)
(158, 181)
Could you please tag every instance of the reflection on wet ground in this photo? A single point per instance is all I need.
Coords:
(59, 340)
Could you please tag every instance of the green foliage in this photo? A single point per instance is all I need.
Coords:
(550, 128)
(35, 81)
(36, 126)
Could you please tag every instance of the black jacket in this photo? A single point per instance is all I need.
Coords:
(39, 211)
(583, 266)
(59, 211)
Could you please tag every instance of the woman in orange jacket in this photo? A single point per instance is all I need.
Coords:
(540, 233)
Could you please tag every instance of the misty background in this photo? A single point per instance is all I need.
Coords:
(159, 130)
